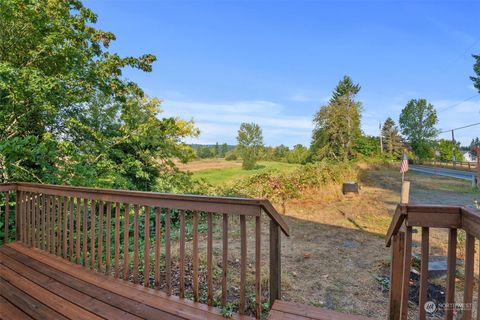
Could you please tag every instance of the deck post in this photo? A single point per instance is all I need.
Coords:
(396, 275)
(17, 215)
(275, 262)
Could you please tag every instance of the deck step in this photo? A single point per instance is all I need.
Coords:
(283, 310)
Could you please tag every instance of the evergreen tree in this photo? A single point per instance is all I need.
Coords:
(337, 124)
(476, 69)
(392, 141)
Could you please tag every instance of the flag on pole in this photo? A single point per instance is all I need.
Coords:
(404, 166)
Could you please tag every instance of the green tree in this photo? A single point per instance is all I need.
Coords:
(444, 147)
(298, 154)
(250, 143)
(368, 146)
(417, 123)
(281, 152)
(216, 150)
(476, 69)
(392, 141)
(67, 115)
(337, 124)
(223, 150)
(205, 152)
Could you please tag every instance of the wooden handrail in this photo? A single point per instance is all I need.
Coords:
(180, 201)
(397, 220)
(426, 217)
(76, 223)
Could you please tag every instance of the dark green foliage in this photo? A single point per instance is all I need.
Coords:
(417, 122)
(368, 146)
(67, 115)
(337, 124)
(392, 141)
(476, 69)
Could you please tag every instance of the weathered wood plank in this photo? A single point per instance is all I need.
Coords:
(469, 280)
(195, 256)
(77, 230)
(424, 271)
(101, 213)
(157, 247)
(168, 253)
(258, 266)
(243, 263)
(406, 273)
(146, 248)
(71, 233)
(135, 243)
(451, 266)
(126, 239)
(182, 255)
(85, 229)
(396, 275)
(210, 258)
(93, 236)
(224, 258)
(117, 240)
(108, 237)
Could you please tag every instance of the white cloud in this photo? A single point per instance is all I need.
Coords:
(219, 121)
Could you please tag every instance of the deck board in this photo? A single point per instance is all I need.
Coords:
(283, 310)
(43, 286)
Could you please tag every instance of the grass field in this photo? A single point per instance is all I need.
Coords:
(219, 171)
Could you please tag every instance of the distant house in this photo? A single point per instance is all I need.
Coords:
(467, 156)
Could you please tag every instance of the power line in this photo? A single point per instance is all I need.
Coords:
(459, 103)
(467, 126)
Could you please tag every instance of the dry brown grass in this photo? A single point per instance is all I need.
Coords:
(206, 164)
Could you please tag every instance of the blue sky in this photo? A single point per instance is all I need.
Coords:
(276, 62)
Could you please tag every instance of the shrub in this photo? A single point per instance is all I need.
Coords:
(230, 156)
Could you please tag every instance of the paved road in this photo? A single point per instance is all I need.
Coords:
(464, 175)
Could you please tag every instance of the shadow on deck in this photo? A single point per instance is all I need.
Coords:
(39, 285)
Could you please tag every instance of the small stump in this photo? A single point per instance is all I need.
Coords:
(350, 187)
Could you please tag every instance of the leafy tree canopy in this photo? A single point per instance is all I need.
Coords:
(417, 122)
(445, 149)
(250, 143)
(67, 115)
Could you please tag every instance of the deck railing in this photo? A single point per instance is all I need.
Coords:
(449, 164)
(84, 226)
(399, 237)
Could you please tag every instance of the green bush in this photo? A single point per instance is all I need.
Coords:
(231, 156)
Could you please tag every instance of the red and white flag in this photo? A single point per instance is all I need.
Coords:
(404, 166)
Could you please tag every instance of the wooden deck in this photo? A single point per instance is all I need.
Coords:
(38, 285)
(283, 310)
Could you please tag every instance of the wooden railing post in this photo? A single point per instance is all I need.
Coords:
(275, 262)
(396, 275)
(18, 213)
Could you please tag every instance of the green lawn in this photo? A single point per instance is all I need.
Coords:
(222, 175)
